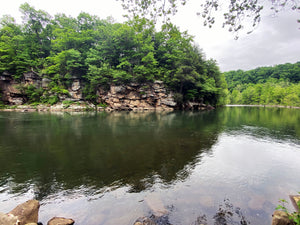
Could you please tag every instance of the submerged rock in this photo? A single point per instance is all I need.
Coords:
(27, 212)
(60, 221)
(156, 205)
(153, 220)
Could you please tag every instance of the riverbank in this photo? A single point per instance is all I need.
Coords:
(74, 107)
(86, 107)
(82, 106)
(270, 106)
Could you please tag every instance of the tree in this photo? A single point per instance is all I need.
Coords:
(14, 54)
(101, 53)
(37, 33)
(236, 10)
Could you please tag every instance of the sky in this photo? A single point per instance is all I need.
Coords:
(275, 41)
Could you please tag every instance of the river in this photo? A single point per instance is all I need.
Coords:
(111, 168)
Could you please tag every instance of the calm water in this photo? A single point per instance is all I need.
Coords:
(111, 168)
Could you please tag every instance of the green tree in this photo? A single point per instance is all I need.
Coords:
(37, 34)
(13, 52)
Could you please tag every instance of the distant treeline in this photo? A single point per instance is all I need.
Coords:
(277, 85)
(102, 52)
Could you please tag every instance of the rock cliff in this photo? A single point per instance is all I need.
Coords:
(133, 96)
(137, 97)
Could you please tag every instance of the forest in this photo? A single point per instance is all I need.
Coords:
(102, 52)
(277, 85)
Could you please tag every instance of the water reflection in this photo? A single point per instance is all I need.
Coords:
(56, 152)
(276, 123)
(100, 168)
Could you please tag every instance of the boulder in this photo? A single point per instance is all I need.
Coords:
(27, 212)
(156, 205)
(60, 221)
(8, 219)
(145, 221)
(153, 220)
(281, 218)
(45, 82)
(32, 78)
(169, 101)
(295, 200)
(76, 85)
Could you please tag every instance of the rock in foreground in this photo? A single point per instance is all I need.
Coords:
(281, 218)
(8, 219)
(28, 212)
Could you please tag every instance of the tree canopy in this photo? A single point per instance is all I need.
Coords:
(102, 52)
(235, 11)
(277, 85)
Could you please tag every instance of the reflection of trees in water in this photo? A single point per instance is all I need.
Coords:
(94, 151)
(279, 123)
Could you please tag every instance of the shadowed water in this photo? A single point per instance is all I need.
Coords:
(111, 168)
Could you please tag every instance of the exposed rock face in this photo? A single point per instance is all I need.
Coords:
(10, 94)
(137, 97)
(45, 82)
(133, 96)
(28, 212)
(33, 79)
(75, 90)
(60, 221)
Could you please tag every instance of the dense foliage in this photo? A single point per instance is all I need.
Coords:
(102, 52)
(278, 85)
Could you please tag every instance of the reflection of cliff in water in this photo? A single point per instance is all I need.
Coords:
(65, 152)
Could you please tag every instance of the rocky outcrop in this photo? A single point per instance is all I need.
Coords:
(33, 79)
(132, 96)
(28, 212)
(9, 92)
(137, 97)
(75, 90)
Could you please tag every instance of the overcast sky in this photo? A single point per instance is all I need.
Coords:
(275, 41)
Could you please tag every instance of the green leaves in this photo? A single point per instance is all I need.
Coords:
(278, 85)
(64, 63)
(295, 216)
(101, 53)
